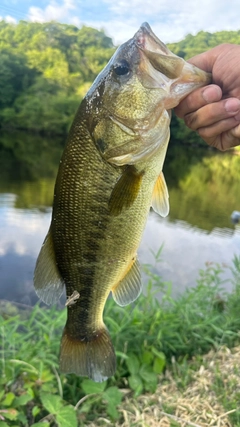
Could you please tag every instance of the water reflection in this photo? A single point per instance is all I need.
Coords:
(203, 188)
(21, 232)
(186, 250)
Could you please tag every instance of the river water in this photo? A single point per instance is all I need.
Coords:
(203, 189)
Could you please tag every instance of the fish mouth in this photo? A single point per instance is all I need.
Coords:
(160, 68)
(157, 53)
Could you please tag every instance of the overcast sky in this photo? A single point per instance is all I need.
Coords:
(171, 20)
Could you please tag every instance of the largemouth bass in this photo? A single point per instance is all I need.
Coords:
(109, 177)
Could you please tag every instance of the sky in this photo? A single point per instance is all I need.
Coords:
(171, 20)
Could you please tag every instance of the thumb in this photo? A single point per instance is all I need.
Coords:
(205, 60)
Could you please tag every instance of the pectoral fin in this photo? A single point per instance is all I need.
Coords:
(125, 191)
(160, 201)
(130, 287)
(47, 280)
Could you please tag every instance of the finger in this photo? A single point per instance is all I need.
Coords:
(217, 128)
(230, 138)
(226, 140)
(205, 60)
(235, 132)
(214, 113)
(198, 99)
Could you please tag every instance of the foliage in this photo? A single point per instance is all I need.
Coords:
(147, 338)
(144, 369)
(46, 69)
(193, 45)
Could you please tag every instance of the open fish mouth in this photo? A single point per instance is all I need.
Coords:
(162, 60)
(157, 53)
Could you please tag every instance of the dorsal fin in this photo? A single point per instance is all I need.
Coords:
(130, 287)
(47, 280)
(125, 191)
(160, 200)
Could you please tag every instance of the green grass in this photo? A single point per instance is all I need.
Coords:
(148, 338)
(227, 388)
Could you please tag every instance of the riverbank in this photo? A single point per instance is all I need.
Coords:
(174, 363)
(202, 393)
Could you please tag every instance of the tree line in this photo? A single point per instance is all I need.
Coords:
(46, 69)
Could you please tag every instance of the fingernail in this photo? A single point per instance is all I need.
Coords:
(211, 94)
(232, 105)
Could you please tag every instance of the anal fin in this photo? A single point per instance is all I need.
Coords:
(160, 200)
(47, 280)
(125, 191)
(130, 287)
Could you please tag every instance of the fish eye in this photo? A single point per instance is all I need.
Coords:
(121, 68)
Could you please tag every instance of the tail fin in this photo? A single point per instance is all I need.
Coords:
(94, 357)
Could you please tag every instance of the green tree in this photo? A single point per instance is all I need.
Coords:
(15, 76)
(45, 70)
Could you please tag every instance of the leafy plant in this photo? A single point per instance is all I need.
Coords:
(64, 415)
(111, 395)
(144, 370)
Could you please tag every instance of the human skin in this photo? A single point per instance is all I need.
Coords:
(214, 111)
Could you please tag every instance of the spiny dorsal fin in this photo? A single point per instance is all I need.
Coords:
(47, 280)
(160, 201)
(125, 191)
(130, 287)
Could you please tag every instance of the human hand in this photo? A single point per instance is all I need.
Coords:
(214, 111)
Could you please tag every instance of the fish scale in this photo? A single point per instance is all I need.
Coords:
(109, 177)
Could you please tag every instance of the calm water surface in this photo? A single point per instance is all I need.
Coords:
(203, 189)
